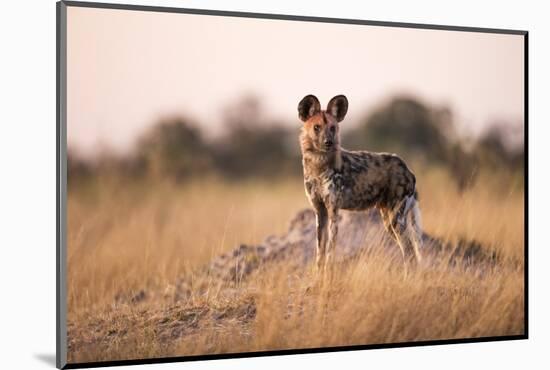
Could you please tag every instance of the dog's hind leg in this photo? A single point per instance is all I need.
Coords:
(388, 218)
(408, 229)
(415, 228)
(402, 222)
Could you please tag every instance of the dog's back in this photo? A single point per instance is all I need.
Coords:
(367, 179)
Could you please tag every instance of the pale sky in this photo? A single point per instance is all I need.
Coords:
(126, 69)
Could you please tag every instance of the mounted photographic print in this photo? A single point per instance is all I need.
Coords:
(235, 184)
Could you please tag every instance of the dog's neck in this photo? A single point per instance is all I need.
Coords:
(317, 162)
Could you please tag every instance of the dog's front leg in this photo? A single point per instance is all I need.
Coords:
(322, 220)
(332, 232)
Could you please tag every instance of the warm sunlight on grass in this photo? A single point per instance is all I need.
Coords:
(125, 237)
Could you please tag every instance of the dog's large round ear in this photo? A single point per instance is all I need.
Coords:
(338, 107)
(308, 107)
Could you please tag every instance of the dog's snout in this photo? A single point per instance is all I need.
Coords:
(328, 143)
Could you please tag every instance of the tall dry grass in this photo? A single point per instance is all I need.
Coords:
(124, 237)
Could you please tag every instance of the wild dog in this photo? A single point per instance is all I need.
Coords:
(336, 179)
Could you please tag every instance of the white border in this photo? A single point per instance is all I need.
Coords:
(28, 186)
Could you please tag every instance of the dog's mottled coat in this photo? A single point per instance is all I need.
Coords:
(336, 179)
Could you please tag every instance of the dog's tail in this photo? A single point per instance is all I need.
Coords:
(416, 216)
(411, 208)
(414, 222)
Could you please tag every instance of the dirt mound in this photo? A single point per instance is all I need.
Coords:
(183, 309)
(360, 233)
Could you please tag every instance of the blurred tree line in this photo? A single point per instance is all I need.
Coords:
(254, 146)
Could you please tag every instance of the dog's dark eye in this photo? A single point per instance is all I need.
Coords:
(316, 128)
(332, 129)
